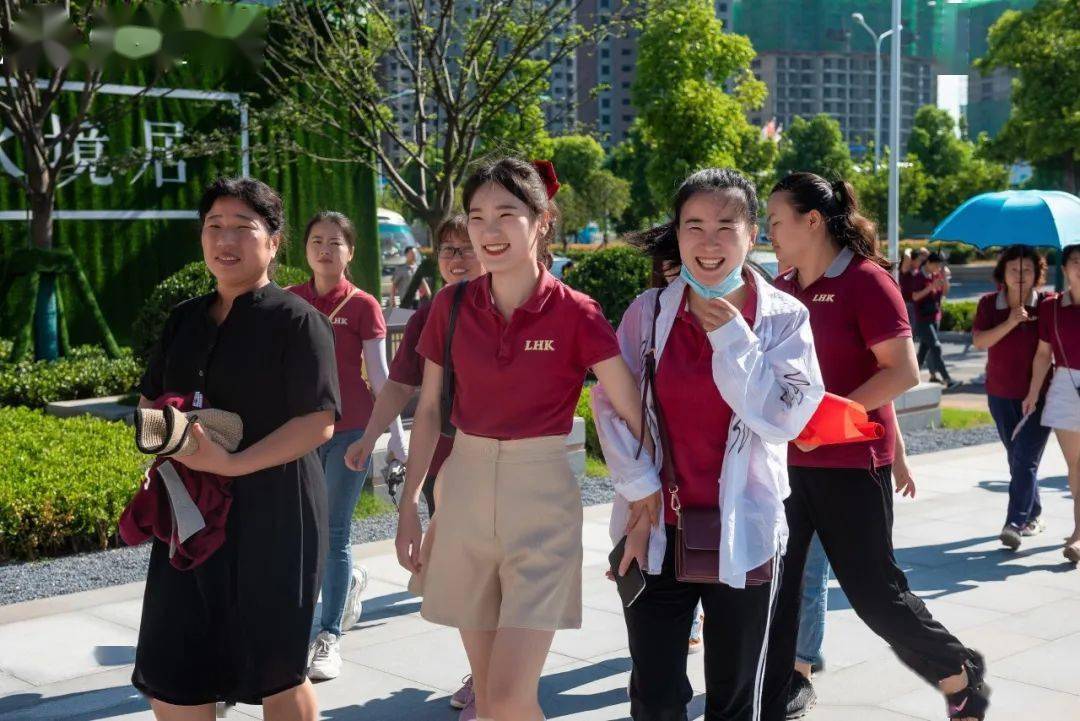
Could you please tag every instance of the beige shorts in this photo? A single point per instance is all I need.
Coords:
(504, 549)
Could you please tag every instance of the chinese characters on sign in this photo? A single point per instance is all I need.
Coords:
(89, 151)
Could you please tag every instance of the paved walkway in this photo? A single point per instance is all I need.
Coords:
(70, 657)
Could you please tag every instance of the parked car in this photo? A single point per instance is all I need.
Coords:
(765, 262)
(394, 237)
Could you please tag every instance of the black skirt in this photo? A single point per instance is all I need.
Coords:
(236, 628)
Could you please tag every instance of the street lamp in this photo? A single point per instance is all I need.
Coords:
(858, 17)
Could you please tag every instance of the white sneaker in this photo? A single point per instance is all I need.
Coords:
(324, 657)
(1010, 537)
(354, 606)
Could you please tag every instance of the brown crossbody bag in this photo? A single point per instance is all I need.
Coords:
(697, 533)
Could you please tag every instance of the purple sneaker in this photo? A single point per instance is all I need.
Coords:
(464, 698)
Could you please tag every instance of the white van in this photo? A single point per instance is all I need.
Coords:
(394, 237)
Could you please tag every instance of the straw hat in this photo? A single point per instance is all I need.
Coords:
(167, 432)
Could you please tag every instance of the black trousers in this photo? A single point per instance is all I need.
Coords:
(852, 511)
(658, 625)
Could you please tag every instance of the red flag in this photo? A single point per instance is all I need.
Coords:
(838, 420)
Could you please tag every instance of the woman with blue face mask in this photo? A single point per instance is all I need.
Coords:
(729, 375)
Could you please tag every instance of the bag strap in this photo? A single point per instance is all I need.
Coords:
(332, 314)
(447, 404)
(667, 468)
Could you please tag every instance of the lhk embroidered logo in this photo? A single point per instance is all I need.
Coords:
(341, 321)
(539, 345)
(824, 298)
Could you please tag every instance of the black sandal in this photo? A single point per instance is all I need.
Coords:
(973, 700)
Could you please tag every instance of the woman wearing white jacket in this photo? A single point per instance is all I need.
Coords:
(729, 375)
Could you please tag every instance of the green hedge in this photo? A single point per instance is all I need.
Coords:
(958, 315)
(613, 277)
(189, 282)
(63, 482)
(86, 373)
(961, 256)
(592, 439)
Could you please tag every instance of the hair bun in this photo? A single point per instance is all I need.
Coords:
(547, 174)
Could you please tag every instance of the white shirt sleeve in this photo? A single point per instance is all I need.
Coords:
(633, 478)
(378, 372)
(773, 390)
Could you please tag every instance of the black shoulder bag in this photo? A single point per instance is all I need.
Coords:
(447, 404)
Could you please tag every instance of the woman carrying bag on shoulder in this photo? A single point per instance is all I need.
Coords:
(502, 559)
(1059, 345)
(729, 376)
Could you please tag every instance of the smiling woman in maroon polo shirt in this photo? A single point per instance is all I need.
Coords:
(1006, 325)
(735, 379)
(1059, 343)
(843, 492)
(502, 559)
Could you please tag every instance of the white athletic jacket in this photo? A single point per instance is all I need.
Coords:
(770, 378)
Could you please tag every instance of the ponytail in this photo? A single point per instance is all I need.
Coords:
(839, 206)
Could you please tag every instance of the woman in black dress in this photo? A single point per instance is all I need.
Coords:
(236, 628)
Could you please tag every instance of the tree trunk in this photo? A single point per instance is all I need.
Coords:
(41, 222)
(41, 196)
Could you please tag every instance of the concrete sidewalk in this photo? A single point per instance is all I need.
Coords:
(70, 657)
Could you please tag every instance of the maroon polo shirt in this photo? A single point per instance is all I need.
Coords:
(696, 416)
(907, 280)
(1059, 313)
(359, 320)
(927, 308)
(522, 378)
(1008, 362)
(854, 306)
(407, 368)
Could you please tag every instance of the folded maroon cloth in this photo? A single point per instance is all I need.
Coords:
(150, 512)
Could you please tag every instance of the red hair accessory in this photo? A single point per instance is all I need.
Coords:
(547, 174)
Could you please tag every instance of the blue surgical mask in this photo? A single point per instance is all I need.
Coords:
(730, 284)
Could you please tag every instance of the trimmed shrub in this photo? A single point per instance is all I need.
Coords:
(63, 482)
(592, 439)
(961, 255)
(958, 315)
(86, 373)
(189, 282)
(612, 277)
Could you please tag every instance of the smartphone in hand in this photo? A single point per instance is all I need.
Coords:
(630, 585)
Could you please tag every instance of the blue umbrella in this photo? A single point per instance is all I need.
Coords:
(1048, 218)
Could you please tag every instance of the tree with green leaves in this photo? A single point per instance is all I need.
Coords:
(574, 214)
(629, 160)
(606, 196)
(955, 169)
(576, 157)
(52, 53)
(693, 88)
(475, 76)
(872, 188)
(1040, 46)
(814, 146)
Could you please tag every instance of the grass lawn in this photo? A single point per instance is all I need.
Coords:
(371, 505)
(960, 418)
